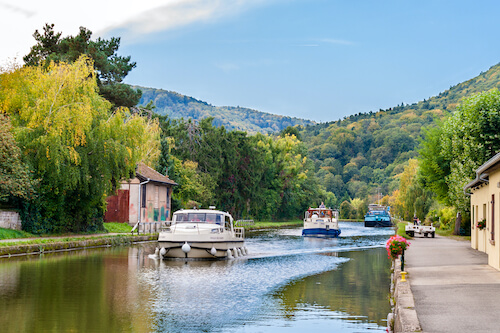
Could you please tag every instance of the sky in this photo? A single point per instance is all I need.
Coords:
(314, 59)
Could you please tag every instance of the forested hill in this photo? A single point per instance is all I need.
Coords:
(362, 153)
(232, 118)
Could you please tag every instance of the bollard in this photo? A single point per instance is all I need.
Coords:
(403, 261)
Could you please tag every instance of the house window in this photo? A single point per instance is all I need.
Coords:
(143, 196)
(477, 214)
(492, 217)
(472, 219)
(484, 211)
(168, 198)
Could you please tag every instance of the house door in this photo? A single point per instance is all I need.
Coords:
(118, 207)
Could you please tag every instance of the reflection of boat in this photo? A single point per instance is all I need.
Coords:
(201, 233)
(378, 216)
(321, 222)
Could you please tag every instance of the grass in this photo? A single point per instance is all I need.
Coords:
(114, 227)
(58, 240)
(449, 233)
(401, 230)
(271, 224)
(10, 234)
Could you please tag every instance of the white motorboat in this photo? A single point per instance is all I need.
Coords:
(321, 222)
(202, 234)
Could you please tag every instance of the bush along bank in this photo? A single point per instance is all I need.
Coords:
(58, 244)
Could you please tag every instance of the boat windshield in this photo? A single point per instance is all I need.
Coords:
(199, 217)
(313, 212)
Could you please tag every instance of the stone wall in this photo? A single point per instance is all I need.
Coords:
(10, 220)
(404, 314)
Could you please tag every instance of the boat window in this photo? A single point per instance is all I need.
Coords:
(196, 217)
(214, 218)
(180, 217)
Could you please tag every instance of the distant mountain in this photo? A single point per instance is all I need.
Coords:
(363, 153)
(176, 105)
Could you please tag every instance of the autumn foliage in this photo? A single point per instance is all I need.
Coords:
(78, 149)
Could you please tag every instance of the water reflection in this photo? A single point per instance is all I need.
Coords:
(288, 282)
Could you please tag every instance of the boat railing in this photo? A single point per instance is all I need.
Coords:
(239, 232)
(244, 223)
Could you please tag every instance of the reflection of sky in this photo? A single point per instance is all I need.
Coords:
(225, 295)
(311, 319)
(195, 297)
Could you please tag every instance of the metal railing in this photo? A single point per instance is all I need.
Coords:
(243, 223)
(149, 227)
(239, 232)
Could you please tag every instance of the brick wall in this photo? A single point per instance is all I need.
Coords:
(10, 220)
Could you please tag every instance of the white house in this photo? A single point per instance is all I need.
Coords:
(485, 205)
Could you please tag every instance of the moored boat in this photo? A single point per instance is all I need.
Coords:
(201, 234)
(378, 216)
(321, 222)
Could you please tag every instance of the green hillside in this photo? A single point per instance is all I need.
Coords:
(178, 106)
(360, 155)
(356, 157)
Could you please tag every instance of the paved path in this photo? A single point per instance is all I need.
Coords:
(453, 287)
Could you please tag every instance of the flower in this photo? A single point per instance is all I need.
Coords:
(396, 245)
(481, 224)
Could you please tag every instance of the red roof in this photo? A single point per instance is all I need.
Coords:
(144, 172)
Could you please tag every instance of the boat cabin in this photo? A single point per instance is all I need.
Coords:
(321, 213)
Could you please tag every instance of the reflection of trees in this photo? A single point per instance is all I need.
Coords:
(78, 291)
(360, 287)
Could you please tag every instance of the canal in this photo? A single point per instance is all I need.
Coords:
(286, 284)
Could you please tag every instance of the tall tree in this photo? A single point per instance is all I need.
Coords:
(78, 148)
(466, 140)
(16, 181)
(110, 67)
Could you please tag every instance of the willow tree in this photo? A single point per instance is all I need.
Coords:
(77, 147)
(16, 180)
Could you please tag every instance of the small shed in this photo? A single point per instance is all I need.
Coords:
(144, 198)
(485, 207)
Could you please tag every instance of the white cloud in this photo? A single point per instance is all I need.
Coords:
(179, 13)
(335, 41)
(18, 22)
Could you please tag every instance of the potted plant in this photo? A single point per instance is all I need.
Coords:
(395, 246)
(481, 224)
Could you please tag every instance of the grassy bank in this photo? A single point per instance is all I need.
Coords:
(42, 245)
(10, 233)
(271, 225)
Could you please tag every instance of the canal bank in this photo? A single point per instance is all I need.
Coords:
(37, 245)
(289, 284)
(450, 288)
(28, 246)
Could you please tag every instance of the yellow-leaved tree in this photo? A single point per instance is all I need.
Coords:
(78, 148)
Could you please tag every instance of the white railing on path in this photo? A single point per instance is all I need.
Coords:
(149, 227)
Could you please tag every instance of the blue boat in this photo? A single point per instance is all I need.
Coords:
(378, 216)
(321, 222)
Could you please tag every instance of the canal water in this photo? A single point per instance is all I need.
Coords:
(288, 283)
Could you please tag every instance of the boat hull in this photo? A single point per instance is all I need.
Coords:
(378, 223)
(200, 249)
(321, 232)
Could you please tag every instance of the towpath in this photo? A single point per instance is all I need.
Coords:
(453, 287)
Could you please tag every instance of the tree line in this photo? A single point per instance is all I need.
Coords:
(71, 131)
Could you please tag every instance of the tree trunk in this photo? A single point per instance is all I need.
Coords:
(458, 222)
